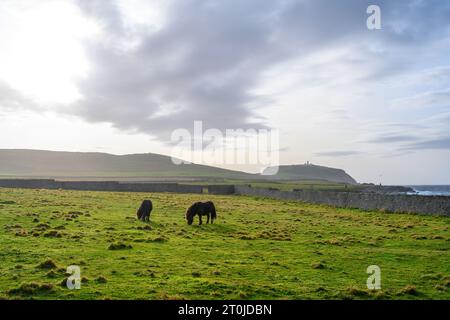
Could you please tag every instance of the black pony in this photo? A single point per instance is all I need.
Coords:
(144, 210)
(201, 209)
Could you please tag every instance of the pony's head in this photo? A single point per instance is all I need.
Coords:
(190, 213)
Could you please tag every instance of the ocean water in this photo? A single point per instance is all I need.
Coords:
(438, 190)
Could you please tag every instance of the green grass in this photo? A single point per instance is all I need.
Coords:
(257, 249)
(282, 185)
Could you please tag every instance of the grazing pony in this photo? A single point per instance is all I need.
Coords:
(144, 210)
(201, 209)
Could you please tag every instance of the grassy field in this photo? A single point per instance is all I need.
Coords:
(284, 185)
(257, 249)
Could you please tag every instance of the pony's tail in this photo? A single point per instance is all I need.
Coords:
(213, 210)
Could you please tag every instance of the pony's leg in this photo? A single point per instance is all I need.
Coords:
(199, 220)
(207, 218)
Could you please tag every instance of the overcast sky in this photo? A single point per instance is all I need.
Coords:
(120, 76)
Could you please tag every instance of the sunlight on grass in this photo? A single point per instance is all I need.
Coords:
(257, 249)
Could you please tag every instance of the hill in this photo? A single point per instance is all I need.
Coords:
(312, 172)
(57, 164)
(38, 163)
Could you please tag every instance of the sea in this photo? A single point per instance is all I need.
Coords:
(431, 190)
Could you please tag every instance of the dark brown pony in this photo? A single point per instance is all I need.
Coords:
(201, 209)
(144, 210)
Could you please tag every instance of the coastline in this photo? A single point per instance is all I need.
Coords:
(430, 190)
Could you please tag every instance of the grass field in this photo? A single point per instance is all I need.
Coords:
(257, 249)
(285, 185)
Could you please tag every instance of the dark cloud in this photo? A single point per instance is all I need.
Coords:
(106, 12)
(200, 66)
(343, 153)
(430, 134)
(204, 61)
(397, 153)
(403, 126)
(393, 139)
(411, 22)
(433, 144)
(13, 100)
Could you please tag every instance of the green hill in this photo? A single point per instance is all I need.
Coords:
(312, 172)
(38, 163)
(57, 164)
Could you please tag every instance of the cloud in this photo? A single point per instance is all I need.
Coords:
(440, 74)
(199, 66)
(203, 62)
(206, 57)
(393, 138)
(13, 100)
(433, 99)
(343, 153)
(432, 144)
(430, 133)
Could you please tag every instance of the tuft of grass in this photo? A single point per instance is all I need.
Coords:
(335, 242)
(159, 239)
(409, 290)
(318, 265)
(42, 227)
(63, 283)
(51, 274)
(354, 291)
(7, 202)
(53, 234)
(379, 294)
(440, 287)
(119, 246)
(101, 279)
(21, 233)
(247, 237)
(27, 289)
(146, 227)
(165, 296)
(47, 264)
(430, 276)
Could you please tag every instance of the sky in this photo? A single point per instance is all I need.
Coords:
(120, 76)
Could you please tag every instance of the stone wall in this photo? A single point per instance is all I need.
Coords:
(221, 189)
(100, 186)
(160, 187)
(29, 183)
(435, 205)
